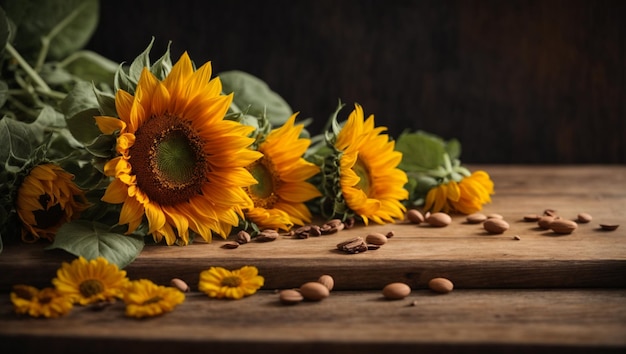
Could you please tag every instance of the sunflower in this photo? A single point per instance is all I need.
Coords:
(279, 197)
(371, 184)
(221, 283)
(144, 298)
(181, 164)
(466, 196)
(46, 199)
(48, 302)
(87, 282)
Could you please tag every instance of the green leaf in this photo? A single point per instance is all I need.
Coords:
(140, 62)
(4, 93)
(162, 67)
(420, 151)
(92, 240)
(91, 67)
(68, 25)
(18, 140)
(80, 106)
(254, 96)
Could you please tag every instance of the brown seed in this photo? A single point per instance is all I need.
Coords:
(440, 285)
(439, 219)
(314, 291)
(495, 226)
(544, 221)
(583, 218)
(179, 284)
(550, 212)
(516, 238)
(609, 227)
(327, 281)
(415, 216)
(495, 216)
(531, 217)
(230, 245)
(476, 218)
(242, 237)
(353, 245)
(396, 291)
(266, 236)
(290, 296)
(376, 238)
(390, 234)
(563, 226)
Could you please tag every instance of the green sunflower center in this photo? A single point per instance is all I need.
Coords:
(90, 287)
(169, 160)
(231, 281)
(263, 194)
(361, 169)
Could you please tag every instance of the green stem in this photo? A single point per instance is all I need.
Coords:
(47, 39)
(27, 68)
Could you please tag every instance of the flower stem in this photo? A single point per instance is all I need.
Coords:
(27, 68)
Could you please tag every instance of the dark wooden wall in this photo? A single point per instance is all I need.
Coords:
(515, 81)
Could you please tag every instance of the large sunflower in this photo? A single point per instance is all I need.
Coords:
(181, 164)
(279, 197)
(371, 184)
(46, 199)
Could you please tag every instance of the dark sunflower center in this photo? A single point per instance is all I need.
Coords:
(231, 282)
(361, 169)
(153, 300)
(91, 287)
(169, 160)
(263, 194)
(50, 215)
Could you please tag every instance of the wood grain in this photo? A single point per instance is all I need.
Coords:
(512, 321)
(462, 252)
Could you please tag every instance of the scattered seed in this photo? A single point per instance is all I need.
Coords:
(531, 217)
(609, 227)
(476, 218)
(516, 238)
(583, 218)
(180, 285)
(230, 245)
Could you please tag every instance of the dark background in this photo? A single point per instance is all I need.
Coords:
(514, 81)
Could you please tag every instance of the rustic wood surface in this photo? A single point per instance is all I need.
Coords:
(542, 293)
(512, 321)
(465, 253)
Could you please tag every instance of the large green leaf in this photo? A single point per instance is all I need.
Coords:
(91, 67)
(420, 151)
(18, 140)
(68, 24)
(253, 96)
(92, 240)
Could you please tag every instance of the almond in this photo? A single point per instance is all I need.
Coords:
(495, 225)
(396, 291)
(415, 216)
(314, 291)
(440, 285)
(563, 226)
(290, 296)
(439, 219)
(376, 238)
(180, 285)
(476, 218)
(327, 281)
(583, 218)
(544, 221)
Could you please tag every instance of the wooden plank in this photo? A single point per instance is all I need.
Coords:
(462, 252)
(518, 321)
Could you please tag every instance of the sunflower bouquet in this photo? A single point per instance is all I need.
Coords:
(100, 158)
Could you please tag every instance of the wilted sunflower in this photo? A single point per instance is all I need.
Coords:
(221, 283)
(144, 298)
(282, 173)
(46, 199)
(87, 282)
(181, 165)
(47, 302)
(466, 196)
(371, 184)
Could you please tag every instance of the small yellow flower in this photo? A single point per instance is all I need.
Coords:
(87, 282)
(46, 199)
(466, 196)
(220, 283)
(143, 298)
(48, 302)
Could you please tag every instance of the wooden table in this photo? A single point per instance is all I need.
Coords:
(542, 292)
